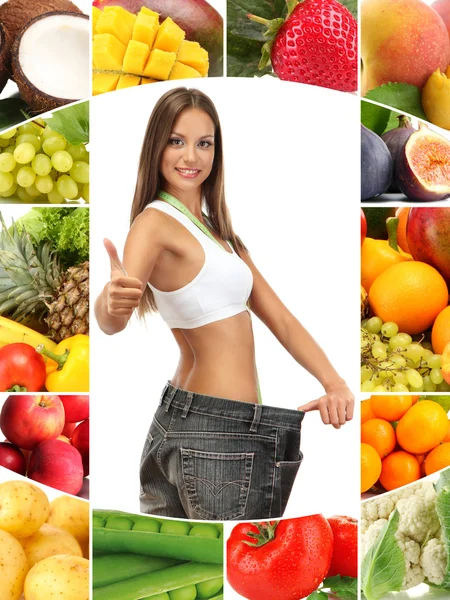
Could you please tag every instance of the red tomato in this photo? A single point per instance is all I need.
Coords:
(344, 561)
(363, 227)
(284, 560)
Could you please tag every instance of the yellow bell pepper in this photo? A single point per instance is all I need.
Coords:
(379, 255)
(68, 367)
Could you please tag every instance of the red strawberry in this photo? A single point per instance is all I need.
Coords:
(316, 44)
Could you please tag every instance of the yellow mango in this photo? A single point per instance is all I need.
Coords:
(147, 80)
(96, 13)
(193, 55)
(145, 29)
(180, 71)
(126, 81)
(436, 99)
(112, 22)
(159, 64)
(107, 52)
(147, 11)
(135, 58)
(127, 17)
(104, 82)
(169, 36)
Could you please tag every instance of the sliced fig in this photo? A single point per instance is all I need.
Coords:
(395, 139)
(428, 235)
(377, 166)
(423, 166)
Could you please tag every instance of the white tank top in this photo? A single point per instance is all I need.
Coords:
(220, 290)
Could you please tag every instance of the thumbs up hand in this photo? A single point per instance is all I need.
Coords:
(124, 293)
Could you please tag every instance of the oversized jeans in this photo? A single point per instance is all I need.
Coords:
(218, 459)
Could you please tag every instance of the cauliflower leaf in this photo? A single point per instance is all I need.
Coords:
(443, 511)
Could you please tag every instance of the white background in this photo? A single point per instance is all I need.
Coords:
(291, 156)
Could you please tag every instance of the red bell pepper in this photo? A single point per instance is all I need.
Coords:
(22, 369)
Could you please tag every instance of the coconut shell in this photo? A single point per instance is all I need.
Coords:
(36, 99)
(5, 58)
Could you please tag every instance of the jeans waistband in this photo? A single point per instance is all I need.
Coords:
(255, 414)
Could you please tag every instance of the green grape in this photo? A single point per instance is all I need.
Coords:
(53, 144)
(24, 153)
(85, 193)
(367, 386)
(416, 390)
(4, 143)
(399, 387)
(31, 139)
(366, 373)
(414, 378)
(80, 172)
(44, 183)
(10, 192)
(377, 380)
(9, 149)
(410, 362)
(33, 191)
(428, 385)
(379, 350)
(62, 161)
(400, 341)
(54, 197)
(78, 152)
(398, 360)
(401, 378)
(414, 352)
(7, 135)
(23, 195)
(67, 187)
(26, 177)
(374, 324)
(364, 323)
(7, 162)
(384, 375)
(48, 132)
(389, 329)
(436, 376)
(380, 388)
(6, 181)
(443, 387)
(433, 361)
(41, 164)
(426, 354)
(29, 128)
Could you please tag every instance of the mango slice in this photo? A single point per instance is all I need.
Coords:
(145, 29)
(169, 36)
(135, 58)
(193, 55)
(127, 17)
(436, 99)
(180, 71)
(107, 52)
(147, 80)
(112, 22)
(148, 11)
(159, 64)
(104, 82)
(126, 81)
(96, 12)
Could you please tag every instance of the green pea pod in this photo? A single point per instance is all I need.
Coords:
(111, 568)
(158, 582)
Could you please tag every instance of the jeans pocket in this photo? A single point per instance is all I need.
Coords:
(147, 445)
(217, 484)
(287, 472)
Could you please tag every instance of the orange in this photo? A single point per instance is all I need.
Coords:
(398, 469)
(379, 434)
(447, 437)
(366, 411)
(415, 399)
(440, 334)
(446, 363)
(370, 467)
(391, 408)
(423, 427)
(438, 459)
(402, 215)
(411, 294)
(376, 257)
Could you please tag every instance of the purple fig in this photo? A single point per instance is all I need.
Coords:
(395, 139)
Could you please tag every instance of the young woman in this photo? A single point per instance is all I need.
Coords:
(213, 450)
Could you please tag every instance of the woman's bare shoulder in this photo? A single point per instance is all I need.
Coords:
(153, 223)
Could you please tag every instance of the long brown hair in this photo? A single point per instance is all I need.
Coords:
(159, 127)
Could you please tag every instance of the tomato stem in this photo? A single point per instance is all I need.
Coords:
(266, 533)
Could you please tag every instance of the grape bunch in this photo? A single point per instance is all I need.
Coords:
(38, 164)
(392, 361)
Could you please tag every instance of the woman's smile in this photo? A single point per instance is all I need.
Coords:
(188, 173)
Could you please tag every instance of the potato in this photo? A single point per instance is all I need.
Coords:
(24, 508)
(48, 541)
(71, 514)
(60, 576)
(13, 567)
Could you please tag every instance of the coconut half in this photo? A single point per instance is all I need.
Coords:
(50, 60)
(5, 58)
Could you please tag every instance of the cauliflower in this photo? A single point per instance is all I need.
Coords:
(418, 517)
(433, 559)
(381, 507)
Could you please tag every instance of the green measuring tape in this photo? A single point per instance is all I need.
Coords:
(185, 211)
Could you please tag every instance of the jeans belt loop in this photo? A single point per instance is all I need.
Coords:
(163, 393)
(187, 406)
(172, 393)
(256, 418)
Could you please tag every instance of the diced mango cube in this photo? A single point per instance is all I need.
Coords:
(180, 71)
(145, 29)
(126, 16)
(147, 11)
(126, 81)
(147, 80)
(96, 12)
(112, 22)
(193, 55)
(104, 82)
(107, 52)
(159, 64)
(135, 57)
(169, 36)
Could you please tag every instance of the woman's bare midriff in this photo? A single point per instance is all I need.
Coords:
(218, 359)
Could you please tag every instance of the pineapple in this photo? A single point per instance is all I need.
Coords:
(33, 287)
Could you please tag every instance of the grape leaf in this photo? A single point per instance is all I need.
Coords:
(374, 117)
(402, 96)
(383, 568)
(13, 110)
(444, 401)
(72, 122)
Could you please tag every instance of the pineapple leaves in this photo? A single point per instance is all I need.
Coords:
(72, 122)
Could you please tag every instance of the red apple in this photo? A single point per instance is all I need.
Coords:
(80, 438)
(28, 420)
(12, 458)
(58, 465)
(68, 429)
(84, 492)
(76, 407)
(63, 438)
